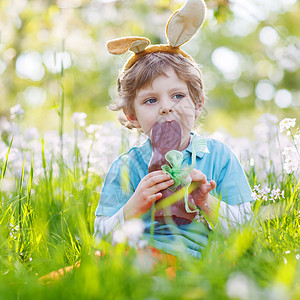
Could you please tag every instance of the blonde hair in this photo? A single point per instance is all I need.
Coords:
(145, 70)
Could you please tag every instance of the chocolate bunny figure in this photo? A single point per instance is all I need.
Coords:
(166, 136)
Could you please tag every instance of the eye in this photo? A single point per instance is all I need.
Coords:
(178, 96)
(150, 101)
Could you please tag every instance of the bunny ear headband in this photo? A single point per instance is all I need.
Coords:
(181, 27)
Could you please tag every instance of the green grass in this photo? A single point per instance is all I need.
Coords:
(47, 224)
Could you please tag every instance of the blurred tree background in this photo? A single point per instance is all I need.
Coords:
(55, 50)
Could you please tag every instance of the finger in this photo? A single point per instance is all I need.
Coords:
(209, 186)
(155, 173)
(155, 197)
(198, 176)
(159, 177)
(161, 186)
(213, 184)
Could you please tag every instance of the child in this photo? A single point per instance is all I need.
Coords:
(162, 83)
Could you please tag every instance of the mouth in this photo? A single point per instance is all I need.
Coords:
(168, 134)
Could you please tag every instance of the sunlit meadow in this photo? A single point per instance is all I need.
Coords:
(50, 187)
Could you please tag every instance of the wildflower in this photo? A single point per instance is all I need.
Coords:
(78, 118)
(268, 118)
(251, 162)
(255, 196)
(291, 160)
(286, 124)
(94, 130)
(256, 188)
(265, 190)
(275, 193)
(119, 236)
(31, 134)
(16, 111)
(199, 217)
(131, 231)
(297, 140)
(240, 286)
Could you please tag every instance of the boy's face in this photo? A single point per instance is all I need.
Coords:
(166, 99)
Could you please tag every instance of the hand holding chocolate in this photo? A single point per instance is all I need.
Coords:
(165, 137)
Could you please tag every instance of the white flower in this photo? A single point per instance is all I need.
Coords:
(239, 287)
(297, 140)
(256, 188)
(31, 134)
(255, 196)
(78, 118)
(16, 111)
(94, 130)
(275, 193)
(119, 237)
(286, 124)
(268, 118)
(265, 190)
(131, 231)
(291, 160)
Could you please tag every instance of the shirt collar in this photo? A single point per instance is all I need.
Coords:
(189, 149)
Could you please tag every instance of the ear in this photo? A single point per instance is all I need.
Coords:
(198, 108)
(122, 45)
(132, 119)
(185, 22)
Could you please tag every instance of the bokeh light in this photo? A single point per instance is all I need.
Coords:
(265, 90)
(243, 88)
(268, 36)
(2, 66)
(29, 65)
(55, 61)
(283, 98)
(227, 61)
(35, 96)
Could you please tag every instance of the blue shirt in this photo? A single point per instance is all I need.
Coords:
(220, 165)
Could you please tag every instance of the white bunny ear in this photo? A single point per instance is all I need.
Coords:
(185, 22)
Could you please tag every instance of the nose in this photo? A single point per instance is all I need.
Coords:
(166, 110)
